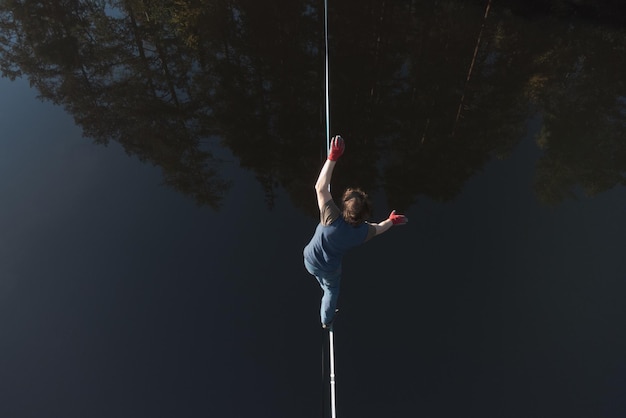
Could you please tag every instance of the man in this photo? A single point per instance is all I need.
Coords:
(339, 231)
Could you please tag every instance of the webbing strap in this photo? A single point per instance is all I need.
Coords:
(327, 76)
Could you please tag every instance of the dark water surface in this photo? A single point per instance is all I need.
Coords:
(161, 275)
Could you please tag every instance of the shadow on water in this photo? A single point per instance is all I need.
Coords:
(426, 92)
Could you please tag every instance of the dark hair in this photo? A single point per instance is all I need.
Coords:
(356, 206)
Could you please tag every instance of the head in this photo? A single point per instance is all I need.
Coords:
(356, 206)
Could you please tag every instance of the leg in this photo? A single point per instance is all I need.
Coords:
(329, 299)
(329, 282)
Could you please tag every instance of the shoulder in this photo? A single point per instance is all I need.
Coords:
(329, 212)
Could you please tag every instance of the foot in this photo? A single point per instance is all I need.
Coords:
(330, 324)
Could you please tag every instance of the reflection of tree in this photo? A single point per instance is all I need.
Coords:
(265, 102)
(122, 79)
(412, 95)
(163, 77)
(583, 108)
(414, 78)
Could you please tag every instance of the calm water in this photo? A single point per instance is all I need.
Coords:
(157, 180)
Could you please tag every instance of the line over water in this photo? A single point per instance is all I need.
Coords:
(327, 76)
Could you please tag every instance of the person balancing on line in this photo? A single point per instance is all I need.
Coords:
(339, 231)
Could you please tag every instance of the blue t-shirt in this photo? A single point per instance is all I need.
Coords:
(333, 237)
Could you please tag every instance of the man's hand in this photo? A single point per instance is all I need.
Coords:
(337, 147)
(397, 219)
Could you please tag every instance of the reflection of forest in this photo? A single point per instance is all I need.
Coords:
(164, 77)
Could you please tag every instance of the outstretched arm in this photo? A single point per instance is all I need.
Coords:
(322, 185)
(393, 219)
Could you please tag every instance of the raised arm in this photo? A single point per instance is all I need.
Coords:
(322, 185)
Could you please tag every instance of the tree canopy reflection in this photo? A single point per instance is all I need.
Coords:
(168, 79)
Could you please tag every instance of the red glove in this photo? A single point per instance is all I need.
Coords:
(397, 219)
(336, 148)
